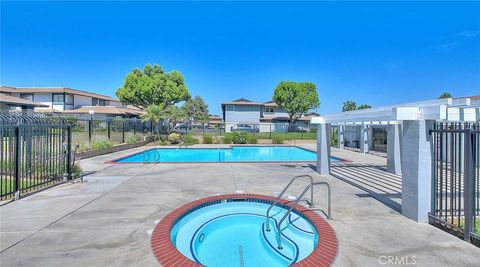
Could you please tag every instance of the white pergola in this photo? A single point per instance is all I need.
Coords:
(409, 145)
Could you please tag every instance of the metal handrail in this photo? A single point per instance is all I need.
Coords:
(279, 224)
(283, 192)
(158, 154)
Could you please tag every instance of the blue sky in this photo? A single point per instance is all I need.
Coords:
(374, 53)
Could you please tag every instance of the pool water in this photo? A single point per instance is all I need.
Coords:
(233, 154)
(234, 234)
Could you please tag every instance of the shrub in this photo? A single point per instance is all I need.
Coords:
(131, 140)
(174, 138)
(239, 138)
(313, 130)
(252, 140)
(207, 139)
(189, 140)
(99, 144)
(217, 140)
(163, 143)
(227, 139)
(76, 171)
(277, 140)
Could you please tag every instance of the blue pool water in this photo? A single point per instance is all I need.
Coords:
(233, 234)
(233, 154)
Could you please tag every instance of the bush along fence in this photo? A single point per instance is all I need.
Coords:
(258, 130)
(97, 134)
(35, 153)
(456, 179)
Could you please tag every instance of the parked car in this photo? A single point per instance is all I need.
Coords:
(294, 128)
(244, 128)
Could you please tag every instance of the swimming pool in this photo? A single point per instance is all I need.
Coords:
(230, 230)
(232, 154)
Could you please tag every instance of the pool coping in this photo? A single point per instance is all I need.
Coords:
(116, 160)
(324, 254)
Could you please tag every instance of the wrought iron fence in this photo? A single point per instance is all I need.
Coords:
(117, 130)
(35, 152)
(456, 179)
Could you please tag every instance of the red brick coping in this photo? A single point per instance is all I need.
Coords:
(323, 254)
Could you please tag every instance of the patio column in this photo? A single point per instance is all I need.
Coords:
(394, 160)
(364, 138)
(341, 130)
(323, 148)
(417, 152)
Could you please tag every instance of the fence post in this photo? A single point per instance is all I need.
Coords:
(18, 159)
(469, 184)
(69, 152)
(123, 131)
(270, 131)
(90, 130)
(108, 129)
(134, 127)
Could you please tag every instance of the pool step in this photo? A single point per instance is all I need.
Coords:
(289, 249)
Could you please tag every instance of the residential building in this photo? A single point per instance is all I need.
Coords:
(71, 101)
(8, 102)
(267, 116)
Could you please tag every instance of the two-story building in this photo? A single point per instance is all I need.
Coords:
(71, 101)
(265, 116)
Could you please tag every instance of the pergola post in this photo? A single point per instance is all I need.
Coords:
(323, 148)
(341, 139)
(394, 145)
(417, 152)
(364, 138)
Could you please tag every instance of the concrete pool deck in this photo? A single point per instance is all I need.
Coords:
(107, 221)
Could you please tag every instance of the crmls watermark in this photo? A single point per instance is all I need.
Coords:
(397, 260)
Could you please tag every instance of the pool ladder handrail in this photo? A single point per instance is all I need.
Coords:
(146, 156)
(279, 224)
(275, 202)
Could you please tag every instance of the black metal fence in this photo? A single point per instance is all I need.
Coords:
(116, 130)
(35, 152)
(259, 130)
(456, 183)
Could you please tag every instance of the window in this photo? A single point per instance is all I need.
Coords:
(68, 99)
(230, 108)
(269, 110)
(98, 102)
(58, 98)
(27, 96)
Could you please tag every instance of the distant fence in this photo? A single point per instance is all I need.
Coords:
(35, 152)
(260, 130)
(456, 182)
(117, 130)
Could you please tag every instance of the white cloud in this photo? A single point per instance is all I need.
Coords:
(447, 46)
(470, 33)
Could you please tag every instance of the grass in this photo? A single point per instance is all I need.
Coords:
(8, 185)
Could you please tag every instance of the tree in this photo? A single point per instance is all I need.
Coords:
(153, 86)
(155, 114)
(349, 105)
(196, 110)
(445, 95)
(364, 106)
(296, 97)
(174, 115)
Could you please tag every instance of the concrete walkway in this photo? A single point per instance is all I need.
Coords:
(107, 220)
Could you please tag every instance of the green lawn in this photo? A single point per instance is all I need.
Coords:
(8, 185)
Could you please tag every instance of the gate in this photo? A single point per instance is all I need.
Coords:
(456, 179)
(35, 153)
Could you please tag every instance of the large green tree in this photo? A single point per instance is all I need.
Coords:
(153, 86)
(296, 97)
(196, 110)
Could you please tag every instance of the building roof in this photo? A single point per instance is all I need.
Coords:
(242, 101)
(11, 89)
(112, 110)
(17, 101)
